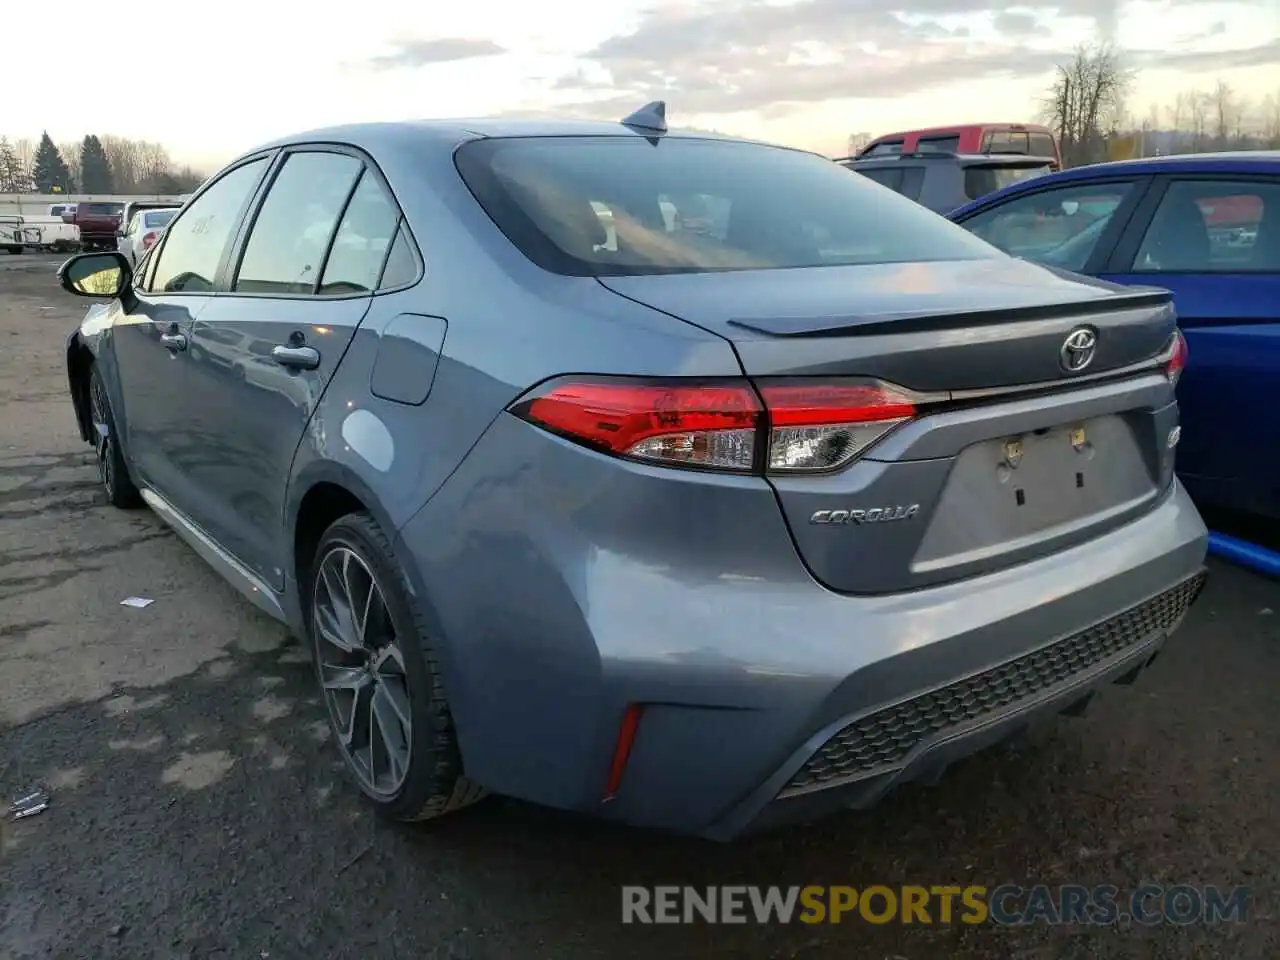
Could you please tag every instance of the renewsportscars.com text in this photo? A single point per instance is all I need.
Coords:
(1006, 905)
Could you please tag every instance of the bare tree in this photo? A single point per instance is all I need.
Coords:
(1085, 103)
(1227, 114)
(153, 164)
(70, 153)
(25, 151)
(1198, 119)
(1270, 117)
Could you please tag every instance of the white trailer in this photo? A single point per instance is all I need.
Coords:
(46, 234)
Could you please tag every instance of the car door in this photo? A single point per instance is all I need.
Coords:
(1070, 225)
(307, 265)
(1214, 241)
(152, 326)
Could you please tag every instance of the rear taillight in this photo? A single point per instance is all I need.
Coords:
(788, 427)
(824, 426)
(710, 425)
(1177, 357)
(149, 239)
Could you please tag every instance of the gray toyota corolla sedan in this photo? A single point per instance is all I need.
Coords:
(682, 480)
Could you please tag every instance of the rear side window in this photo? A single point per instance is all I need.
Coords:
(195, 242)
(360, 247)
(295, 223)
(980, 180)
(402, 267)
(890, 177)
(690, 206)
(1213, 226)
(938, 144)
(157, 219)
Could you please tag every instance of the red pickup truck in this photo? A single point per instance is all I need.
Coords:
(98, 223)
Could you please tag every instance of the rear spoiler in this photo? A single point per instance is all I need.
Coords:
(1130, 299)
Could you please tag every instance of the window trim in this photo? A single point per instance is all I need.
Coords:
(231, 266)
(1126, 250)
(158, 250)
(1102, 253)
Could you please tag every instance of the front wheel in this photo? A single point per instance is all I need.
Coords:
(112, 471)
(380, 682)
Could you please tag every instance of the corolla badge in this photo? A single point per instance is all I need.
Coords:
(1078, 349)
(871, 515)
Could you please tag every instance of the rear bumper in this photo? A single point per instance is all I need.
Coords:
(564, 593)
(853, 763)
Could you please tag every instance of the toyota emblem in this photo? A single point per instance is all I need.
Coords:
(1078, 349)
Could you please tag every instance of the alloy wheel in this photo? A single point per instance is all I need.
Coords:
(103, 441)
(362, 672)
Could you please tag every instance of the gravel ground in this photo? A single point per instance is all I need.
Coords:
(199, 812)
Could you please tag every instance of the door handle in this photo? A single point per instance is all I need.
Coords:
(297, 358)
(174, 341)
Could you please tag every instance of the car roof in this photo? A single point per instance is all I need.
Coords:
(933, 156)
(449, 133)
(1236, 161)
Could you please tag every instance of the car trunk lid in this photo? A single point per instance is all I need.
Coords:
(1010, 454)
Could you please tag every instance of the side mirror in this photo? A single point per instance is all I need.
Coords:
(99, 275)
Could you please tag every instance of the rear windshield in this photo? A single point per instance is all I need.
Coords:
(157, 218)
(980, 180)
(103, 209)
(618, 206)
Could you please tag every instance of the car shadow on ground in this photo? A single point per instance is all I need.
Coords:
(209, 817)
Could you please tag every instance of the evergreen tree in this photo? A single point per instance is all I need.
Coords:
(49, 170)
(12, 176)
(95, 171)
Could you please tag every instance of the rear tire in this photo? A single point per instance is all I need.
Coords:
(14, 250)
(379, 680)
(112, 469)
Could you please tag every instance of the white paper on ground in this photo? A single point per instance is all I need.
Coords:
(136, 602)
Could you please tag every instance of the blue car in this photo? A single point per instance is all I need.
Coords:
(1207, 228)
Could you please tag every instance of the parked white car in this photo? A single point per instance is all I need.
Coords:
(142, 231)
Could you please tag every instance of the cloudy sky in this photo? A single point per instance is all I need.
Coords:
(217, 78)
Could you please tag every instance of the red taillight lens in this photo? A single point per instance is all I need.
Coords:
(148, 239)
(1177, 361)
(812, 427)
(699, 425)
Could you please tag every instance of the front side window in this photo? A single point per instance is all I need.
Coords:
(885, 148)
(1059, 227)
(1213, 226)
(360, 247)
(761, 207)
(195, 242)
(291, 233)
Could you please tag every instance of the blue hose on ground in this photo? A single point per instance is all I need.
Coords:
(1247, 554)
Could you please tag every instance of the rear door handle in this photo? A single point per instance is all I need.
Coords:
(297, 358)
(174, 341)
